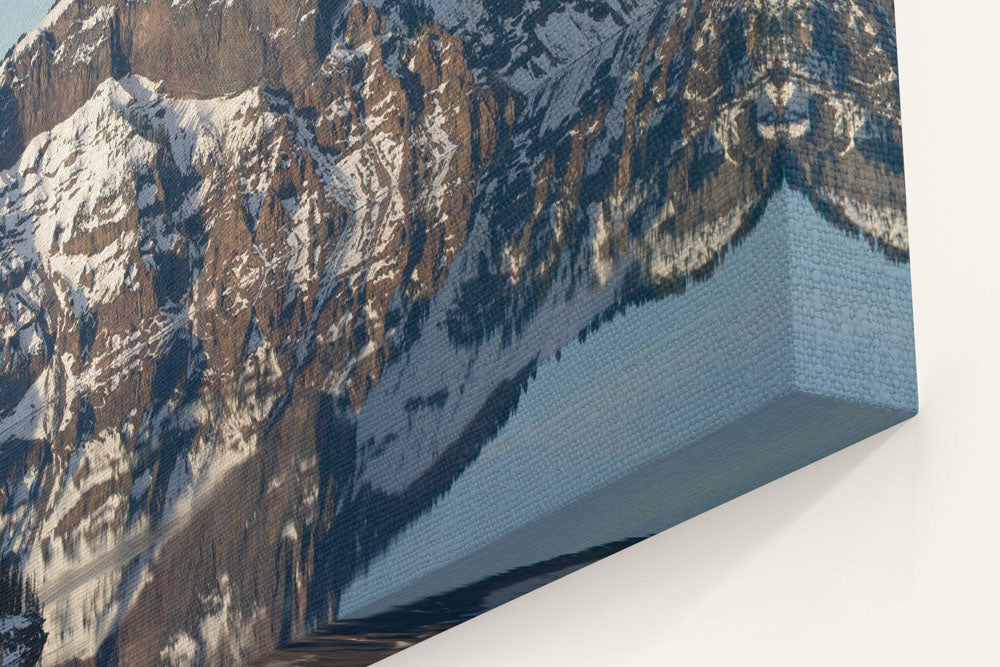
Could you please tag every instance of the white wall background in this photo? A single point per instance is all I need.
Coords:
(887, 553)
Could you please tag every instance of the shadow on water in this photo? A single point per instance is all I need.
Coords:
(361, 642)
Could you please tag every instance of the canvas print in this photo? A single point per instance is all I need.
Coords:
(328, 324)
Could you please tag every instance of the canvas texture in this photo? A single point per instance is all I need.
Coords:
(352, 320)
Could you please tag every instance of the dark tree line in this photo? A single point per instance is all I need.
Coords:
(17, 594)
(21, 642)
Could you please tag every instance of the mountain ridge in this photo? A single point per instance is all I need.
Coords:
(229, 254)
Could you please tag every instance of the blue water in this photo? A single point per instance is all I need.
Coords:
(800, 305)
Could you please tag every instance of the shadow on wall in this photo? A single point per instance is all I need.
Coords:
(362, 642)
(358, 643)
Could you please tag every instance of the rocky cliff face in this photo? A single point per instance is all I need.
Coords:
(273, 273)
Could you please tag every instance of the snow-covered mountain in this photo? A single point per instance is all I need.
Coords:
(274, 272)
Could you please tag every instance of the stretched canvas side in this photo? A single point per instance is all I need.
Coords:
(378, 314)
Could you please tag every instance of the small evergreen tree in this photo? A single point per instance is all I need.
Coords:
(17, 595)
(31, 603)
